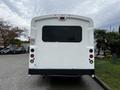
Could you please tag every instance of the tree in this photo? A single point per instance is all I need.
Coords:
(113, 42)
(8, 33)
(4, 31)
(17, 42)
(100, 37)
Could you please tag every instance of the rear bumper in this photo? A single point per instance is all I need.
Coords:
(61, 71)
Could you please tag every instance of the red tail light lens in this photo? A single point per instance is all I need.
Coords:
(91, 56)
(32, 55)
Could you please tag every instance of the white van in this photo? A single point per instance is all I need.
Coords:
(61, 44)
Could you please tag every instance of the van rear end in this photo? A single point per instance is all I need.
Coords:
(61, 45)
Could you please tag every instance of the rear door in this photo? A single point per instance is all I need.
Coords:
(62, 44)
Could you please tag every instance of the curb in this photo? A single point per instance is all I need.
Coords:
(99, 81)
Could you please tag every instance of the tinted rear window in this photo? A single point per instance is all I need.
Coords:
(62, 34)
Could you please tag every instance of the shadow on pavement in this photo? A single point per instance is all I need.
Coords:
(61, 83)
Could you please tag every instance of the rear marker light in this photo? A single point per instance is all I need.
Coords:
(32, 61)
(62, 18)
(32, 50)
(91, 56)
(32, 55)
(91, 61)
(91, 50)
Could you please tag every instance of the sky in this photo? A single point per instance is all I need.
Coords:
(105, 13)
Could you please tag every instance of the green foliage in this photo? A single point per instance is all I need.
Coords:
(108, 40)
(111, 36)
(17, 42)
(100, 36)
(25, 41)
(108, 72)
(9, 33)
(113, 42)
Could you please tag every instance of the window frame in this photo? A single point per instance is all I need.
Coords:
(63, 41)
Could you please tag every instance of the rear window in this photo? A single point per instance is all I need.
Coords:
(62, 34)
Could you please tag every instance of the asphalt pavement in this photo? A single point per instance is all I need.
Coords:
(14, 76)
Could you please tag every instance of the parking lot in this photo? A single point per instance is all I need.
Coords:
(13, 76)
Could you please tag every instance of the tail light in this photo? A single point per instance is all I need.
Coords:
(91, 61)
(32, 55)
(91, 56)
(91, 50)
(62, 18)
(32, 61)
(32, 50)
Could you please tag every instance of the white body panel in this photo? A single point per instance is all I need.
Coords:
(62, 55)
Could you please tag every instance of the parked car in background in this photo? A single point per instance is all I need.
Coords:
(1, 49)
(6, 51)
(20, 50)
(13, 50)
